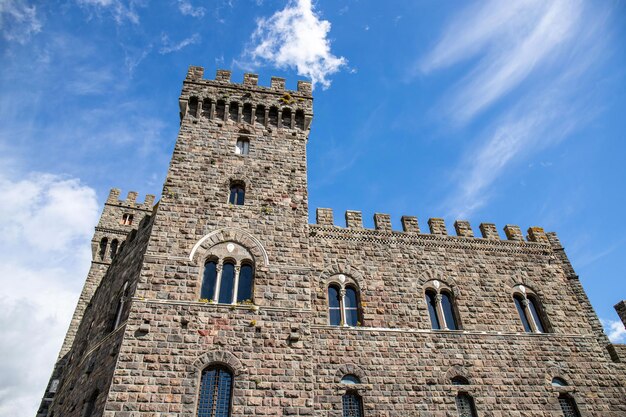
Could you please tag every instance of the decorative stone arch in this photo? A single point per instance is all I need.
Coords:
(220, 357)
(527, 281)
(202, 248)
(430, 276)
(454, 371)
(354, 275)
(350, 369)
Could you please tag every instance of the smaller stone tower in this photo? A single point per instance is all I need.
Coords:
(118, 219)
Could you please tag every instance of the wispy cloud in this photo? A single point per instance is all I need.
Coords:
(169, 46)
(18, 21)
(545, 46)
(120, 10)
(512, 40)
(615, 330)
(297, 38)
(188, 9)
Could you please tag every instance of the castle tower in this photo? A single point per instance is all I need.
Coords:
(118, 219)
(225, 302)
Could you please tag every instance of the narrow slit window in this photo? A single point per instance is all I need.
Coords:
(226, 285)
(351, 307)
(104, 242)
(209, 280)
(206, 108)
(519, 304)
(114, 244)
(244, 288)
(448, 311)
(193, 106)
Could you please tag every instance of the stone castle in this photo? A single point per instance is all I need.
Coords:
(222, 300)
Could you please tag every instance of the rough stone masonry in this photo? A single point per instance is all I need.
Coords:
(517, 333)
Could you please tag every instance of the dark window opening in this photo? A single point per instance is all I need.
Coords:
(206, 108)
(247, 113)
(114, 244)
(448, 311)
(193, 106)
(460, 380)
(350, 379)
(286, 116)
(519, 304)
(233, 111)
(215, 392)
(127, 219)
(103, 248)
(260, 115)
(351, 307)
(558, 382)
(90, 405)
(237, 194)
(533, 305)
(273, 116)
(300, 119)
(220, 109)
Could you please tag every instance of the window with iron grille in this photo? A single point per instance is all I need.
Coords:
(215, 392)
(465, 405)
(352, 406)
(568, 406)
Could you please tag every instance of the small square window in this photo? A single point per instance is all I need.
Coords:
(127, 219)
(243, 147)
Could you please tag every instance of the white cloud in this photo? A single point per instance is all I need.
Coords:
(615, 330)
(18, 21)
(513, 40)
(117, 8)
(169, 46)
(46, 222)
(295, 37)
(187, 9)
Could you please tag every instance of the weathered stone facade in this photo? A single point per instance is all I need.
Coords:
(139, 343)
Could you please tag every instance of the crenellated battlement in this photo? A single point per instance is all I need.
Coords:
(130, 201)
(221, 100)
(436, 226)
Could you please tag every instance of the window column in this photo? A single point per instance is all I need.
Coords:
(442, 317)
(218, 280)
(342, 297)
(529, 314)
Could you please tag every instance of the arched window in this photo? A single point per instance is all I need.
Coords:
(441, 308)
(245, 283)
(558, 382)
(225, 295)
(431, 301)
(273, 116)
(103, 248)
(351, 307)
(247, 113)
(352, 404)
(568, 406)
(529, 310)
(350, 379)
(465, 405)
(448, 311)
(260, 114)
(220, 109)
(216, 388)
(233, 111)
(237, 194)
(334, 305)
(209, 280)
(343, 305)
(242, 147)
(114, 244)
(127, 219)
(229, 280)
(459, 380)
(286, 116)
(299, 119)
(90, 405)
(193, 106)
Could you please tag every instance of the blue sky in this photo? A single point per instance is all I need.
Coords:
(503, 112)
